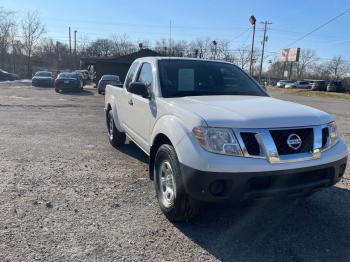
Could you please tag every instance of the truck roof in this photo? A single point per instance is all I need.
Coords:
(157, 58)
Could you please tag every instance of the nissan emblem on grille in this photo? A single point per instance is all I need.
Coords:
(294, 141)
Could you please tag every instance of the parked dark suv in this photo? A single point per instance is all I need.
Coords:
(335, 86)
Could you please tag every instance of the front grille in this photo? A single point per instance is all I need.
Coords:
(251, 143)
(280, 138)
(325, 135)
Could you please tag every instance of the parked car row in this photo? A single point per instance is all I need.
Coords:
(65, 80)
(315, 85)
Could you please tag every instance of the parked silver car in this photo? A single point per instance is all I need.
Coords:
(298, 84)
(282, 83)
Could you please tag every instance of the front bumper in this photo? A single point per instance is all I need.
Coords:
(222, 186)
(42, 82)
(68, 87)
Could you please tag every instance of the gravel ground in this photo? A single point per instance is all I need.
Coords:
(67, 195)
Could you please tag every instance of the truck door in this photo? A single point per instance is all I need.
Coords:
(139, 115)
(122, 104)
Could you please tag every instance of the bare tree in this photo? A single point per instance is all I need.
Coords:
(8, 28)
(83, 44)
(177, 48)
(203, 45)
(319, 71)
(100, 47)
(224, 52)
(243, 56)
(46, 53)
(162, 46)
(307, 58)
(122, 45)
(337, 67)
(32, 30)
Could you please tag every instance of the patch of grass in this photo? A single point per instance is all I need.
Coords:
(303, 92)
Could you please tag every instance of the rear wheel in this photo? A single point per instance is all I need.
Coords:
(116, 138)
(57, 90)
(173, 200)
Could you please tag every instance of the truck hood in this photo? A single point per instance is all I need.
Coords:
(251, 111)
(42, 78)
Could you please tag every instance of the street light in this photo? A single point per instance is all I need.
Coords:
(252, 20)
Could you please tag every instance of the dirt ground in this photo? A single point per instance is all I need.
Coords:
(67, 195)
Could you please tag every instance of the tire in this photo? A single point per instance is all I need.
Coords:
(57, 90)
(173, 200)
(99, 92)
(116, 138)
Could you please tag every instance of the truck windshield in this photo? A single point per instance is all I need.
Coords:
(201, 78)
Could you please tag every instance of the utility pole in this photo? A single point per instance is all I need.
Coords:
(215, 44)
(75, 48)
(170, 38)
(57, 56)
(70, 43)
(252, 20)
(263, 47)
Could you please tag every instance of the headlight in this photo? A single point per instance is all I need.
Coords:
(217, 140)
(333, 133)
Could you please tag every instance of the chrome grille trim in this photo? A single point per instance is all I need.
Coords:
(268, 148)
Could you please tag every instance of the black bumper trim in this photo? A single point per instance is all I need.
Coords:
(258, 185)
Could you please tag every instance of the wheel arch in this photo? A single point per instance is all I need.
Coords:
(111, 106)
(160, 139)
(168, 129)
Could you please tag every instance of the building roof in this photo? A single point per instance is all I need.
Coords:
(125, 59)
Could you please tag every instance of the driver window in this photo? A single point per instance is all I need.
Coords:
(145, 75)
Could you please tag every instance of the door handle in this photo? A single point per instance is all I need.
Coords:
(131, 102)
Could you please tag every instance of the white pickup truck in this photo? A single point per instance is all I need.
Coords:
(213, 134)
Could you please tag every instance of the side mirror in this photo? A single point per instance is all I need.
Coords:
(139, 88)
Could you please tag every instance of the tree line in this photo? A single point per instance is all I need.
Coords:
(25, 48)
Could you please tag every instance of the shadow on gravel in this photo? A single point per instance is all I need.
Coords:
(77, 93)
(315, 229)
(134, 151)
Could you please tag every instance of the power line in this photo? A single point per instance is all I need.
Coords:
(241, 34)
(319, 27)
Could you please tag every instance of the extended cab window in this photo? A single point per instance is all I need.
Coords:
(203, 78)
(131, 74)
(145, 75)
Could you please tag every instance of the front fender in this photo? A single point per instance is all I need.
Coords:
(171, 126)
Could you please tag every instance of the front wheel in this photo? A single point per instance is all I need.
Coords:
(173, 200)
(116, 138)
